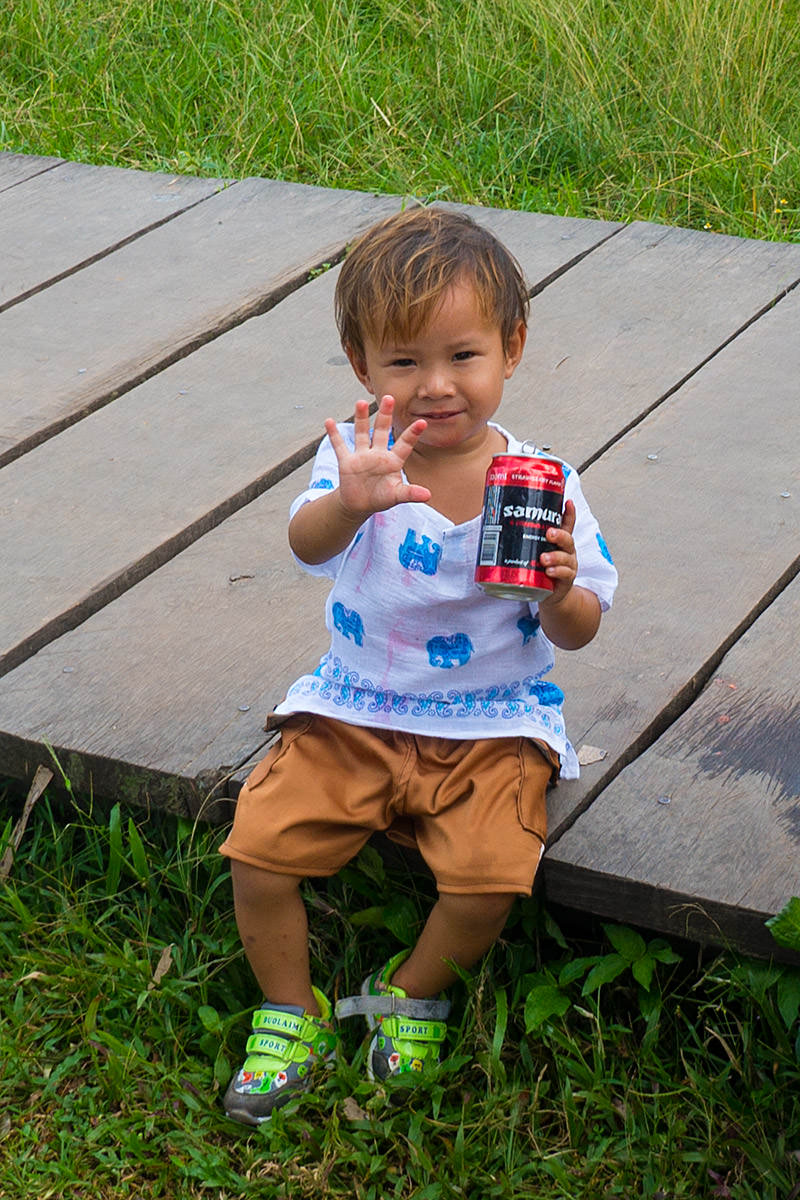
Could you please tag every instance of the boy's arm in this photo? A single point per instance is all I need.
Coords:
(320, 530)
(570, 617)
(370, 481)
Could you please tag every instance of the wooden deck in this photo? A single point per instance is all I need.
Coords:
(168, 357)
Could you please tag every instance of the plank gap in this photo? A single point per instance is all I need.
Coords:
(104, 253)
(42, 170)
(680, 702)
(685, 379)
(255, 308)
(539, 287)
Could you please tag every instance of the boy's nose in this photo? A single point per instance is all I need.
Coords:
(435, 384)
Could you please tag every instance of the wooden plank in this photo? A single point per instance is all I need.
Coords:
(57, 220)
(88, 507)
(692, 505)
(545, 245)
(14, 168)
(704, 829)
(106, 636)
(621, 330)
(154, 681)
(158, 696)
(85, 340)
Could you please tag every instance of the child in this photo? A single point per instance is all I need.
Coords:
(431, 709)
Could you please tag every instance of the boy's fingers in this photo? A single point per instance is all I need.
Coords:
(414, 493)
(361, 424)
(568, 520)
(335, 438)
(409, 437)
(382, 428)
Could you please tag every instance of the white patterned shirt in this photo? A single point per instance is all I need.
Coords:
(416, 645)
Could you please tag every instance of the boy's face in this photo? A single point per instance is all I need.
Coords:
(451, 372)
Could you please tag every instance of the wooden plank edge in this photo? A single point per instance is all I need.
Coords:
(112, 248)
(202, 797)
(238, 316)
(545, 282)
(140, 568)
(679, 703)
(46, 164)
(675, 387)
(672, 913)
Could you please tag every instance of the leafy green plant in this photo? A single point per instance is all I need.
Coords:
(548, 993)
(785, 925)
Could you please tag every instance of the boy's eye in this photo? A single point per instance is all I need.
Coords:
(402, 362)
(463, 355)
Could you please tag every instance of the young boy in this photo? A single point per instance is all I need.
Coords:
(431, 709)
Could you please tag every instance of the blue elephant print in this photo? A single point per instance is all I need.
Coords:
(452, 650)
(528, 627)
(422, 555)
(547, 694)
(348, 622)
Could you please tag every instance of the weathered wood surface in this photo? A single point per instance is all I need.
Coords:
(95, 509)
(166, 689)
(86, 522)
(629, 324)
(56, 220)
(692, 508)
(14, 168)
(93, 335)
(701, 834)
(150, 614)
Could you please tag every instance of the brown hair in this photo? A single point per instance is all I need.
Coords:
(399, 270)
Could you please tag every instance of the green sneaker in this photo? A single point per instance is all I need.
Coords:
(286, 1045)
(408, 1032)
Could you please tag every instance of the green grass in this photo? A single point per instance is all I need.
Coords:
(125, 997)
(681, 111)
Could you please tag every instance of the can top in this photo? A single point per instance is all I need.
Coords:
(529, 449)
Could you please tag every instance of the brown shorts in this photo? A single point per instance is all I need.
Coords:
(476, 808)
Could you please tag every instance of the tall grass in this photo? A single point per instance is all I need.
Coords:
(683, 111)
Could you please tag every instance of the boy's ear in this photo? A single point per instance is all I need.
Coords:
(359, 364)
(516, 344)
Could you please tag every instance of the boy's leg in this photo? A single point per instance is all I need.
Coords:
(400, 1001)
(460, 929)
(292, 1030)
(272, 922)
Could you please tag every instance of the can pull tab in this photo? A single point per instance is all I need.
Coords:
(528, 448)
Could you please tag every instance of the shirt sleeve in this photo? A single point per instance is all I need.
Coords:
(596, 570)
(324, 478)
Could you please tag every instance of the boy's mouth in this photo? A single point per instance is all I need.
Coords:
(439, 416)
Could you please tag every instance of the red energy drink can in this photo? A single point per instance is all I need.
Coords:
(524, 497)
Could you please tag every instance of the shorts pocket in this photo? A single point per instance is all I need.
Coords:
(534, 776)
(290, 730)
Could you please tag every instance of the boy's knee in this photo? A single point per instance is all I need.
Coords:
(254, 885)
(486, 908)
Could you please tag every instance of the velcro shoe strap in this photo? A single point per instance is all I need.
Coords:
(281, 1023)
(388, 1004)
(281, 1048)
(400, 1029)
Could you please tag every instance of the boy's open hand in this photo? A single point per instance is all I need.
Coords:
(371, 475)
(561, 563)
